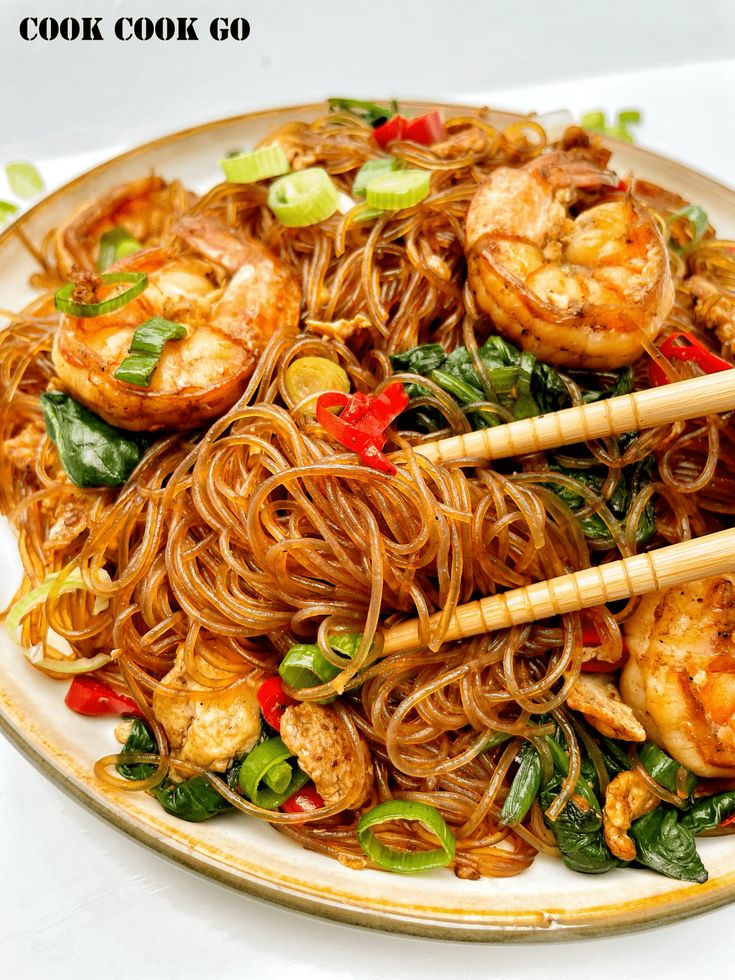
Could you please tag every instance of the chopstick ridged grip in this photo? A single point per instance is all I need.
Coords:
(612, 416)
(675, 564)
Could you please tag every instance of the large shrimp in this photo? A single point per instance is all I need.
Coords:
(680, 679)
(580, 291)
(232, 294)
(145, 208)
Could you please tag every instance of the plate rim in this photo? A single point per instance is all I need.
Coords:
(618, 919)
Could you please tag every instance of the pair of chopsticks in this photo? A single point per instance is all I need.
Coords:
(675, 564)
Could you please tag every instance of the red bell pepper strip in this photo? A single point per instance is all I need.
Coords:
(88, 696)
(692, 350)
(391, 130)
(426, 129)
(361, 425)
(591, 638)
(304, 800)
(273, 701)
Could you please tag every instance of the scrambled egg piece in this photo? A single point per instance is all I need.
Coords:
(601, 704)
(210, 732)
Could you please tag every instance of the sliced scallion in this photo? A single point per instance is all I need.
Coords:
(308, 377)
(401, 189)
(371, 169)
(263, 774)
(36, 597)
(25, 181)
(146, 349)
(303, 198)
(695, 222)
(306, 666)
(245, 168)
(7, 211)
(116, 244)
(137, 282)
(406, 862)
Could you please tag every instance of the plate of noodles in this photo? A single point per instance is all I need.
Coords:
(226, 346)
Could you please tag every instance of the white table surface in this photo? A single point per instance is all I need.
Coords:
(78, 898)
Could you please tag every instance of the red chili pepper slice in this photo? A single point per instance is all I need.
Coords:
(88, 696)
(728, 821)
(391, 130)
(273, 701)
(591, 638)
(692, 350)
(362, 423)
(426, 129)
(304, 800)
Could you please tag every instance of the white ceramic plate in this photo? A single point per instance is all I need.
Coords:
(545, 902)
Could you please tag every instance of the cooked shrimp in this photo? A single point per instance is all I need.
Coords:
(581, 292)
(210, 732)
(599, 700)
(318, 739)
(201, 376)
(680, 679)
(627, 798)
(145, 208)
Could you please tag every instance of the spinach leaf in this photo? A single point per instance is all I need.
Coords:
(621, 383)
(194, 799)
(548, 389)
(632, 480)
(614, 755)
(526, 387)
(708, 812)
(419, 360)
(524, 788)
(139, 740)
(578, 829)
(665, 844)
(93, 453)
(664, 769)
(523, 385)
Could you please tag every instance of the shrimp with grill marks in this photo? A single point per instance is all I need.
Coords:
(582, 291)
(680, 679)
(231, 294)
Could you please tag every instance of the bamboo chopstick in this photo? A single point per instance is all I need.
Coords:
(674, 564)
(612, 416)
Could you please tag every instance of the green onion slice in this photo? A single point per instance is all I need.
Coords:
(137, 282)
(372, 169)
(303, 198)
(696, 218)
(626, 116)
(406, 862)
(36, 597)
(401, 189)
(245, 168)
(593, 120)
(267, 764)
(309, 377)
(146, 348)
(370, 112)
(25, 181)
(116, 244)
(7, 211)
(306, 666)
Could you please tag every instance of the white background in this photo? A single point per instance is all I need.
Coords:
(76, 897)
